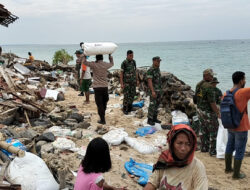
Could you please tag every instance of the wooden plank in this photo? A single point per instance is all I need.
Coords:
(7, 79)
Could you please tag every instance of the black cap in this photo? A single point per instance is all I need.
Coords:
(156, 58)
(79, 52)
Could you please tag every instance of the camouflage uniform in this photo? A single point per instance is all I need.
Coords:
(155, 75)
(218, 95)
(78, 68)
(207, 121)
(129, 80)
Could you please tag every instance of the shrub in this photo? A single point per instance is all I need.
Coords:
(62, 56)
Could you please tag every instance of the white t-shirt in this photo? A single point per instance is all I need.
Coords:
(190, 177)
(87, 74)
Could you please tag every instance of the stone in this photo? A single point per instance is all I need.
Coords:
(29, 133)
(70, 122)
(83, 125)
(78, 134)
(47, 148)
(48, 137)
(77, 117)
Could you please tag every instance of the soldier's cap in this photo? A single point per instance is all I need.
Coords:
(215, 80)
(156, 58)
(79, 52)
(209, 71)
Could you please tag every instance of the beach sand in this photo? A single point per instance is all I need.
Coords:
(118, 176)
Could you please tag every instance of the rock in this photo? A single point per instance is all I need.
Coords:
(60, 97)
(70, 122)
(41, 143)
(47, 148)
(77, 117)
(78, 134)
(48, 137)
(29, 133)
(139, 114)
(123, 147)
(83, 125)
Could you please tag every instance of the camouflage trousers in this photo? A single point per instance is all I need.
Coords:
(129, 93)
(206, 125)
(153, 106)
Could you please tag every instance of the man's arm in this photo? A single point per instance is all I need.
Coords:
(87, 63)
(150, 85)
(215, 109)
(121, 79)
(111, 61)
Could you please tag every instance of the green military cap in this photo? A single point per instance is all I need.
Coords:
(156, 58)
(79, 52)
(215, 80)
(209, 71)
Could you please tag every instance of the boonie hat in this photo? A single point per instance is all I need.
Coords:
(209, 71)
(215, 80)
(156, 58)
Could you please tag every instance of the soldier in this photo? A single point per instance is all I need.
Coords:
(128, 80)
(218, 93)
(208, 113)
(154, 83)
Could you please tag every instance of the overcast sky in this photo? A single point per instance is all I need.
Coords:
(71, 21)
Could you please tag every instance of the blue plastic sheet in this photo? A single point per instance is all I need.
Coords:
(141, 170)
(139, 104)
(14, 142)
(145, 131)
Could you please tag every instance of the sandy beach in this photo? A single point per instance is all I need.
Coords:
(122, 153)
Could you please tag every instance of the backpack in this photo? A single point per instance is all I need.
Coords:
(230, 114)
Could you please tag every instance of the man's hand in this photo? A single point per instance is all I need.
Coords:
(154, 95)
(110, 57)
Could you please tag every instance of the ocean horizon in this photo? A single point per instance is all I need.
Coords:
(185, 59)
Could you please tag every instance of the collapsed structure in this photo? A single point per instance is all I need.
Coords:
(6, 17)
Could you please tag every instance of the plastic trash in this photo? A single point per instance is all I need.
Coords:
(115, 137)
(21, 69)
(178, 117)
(138, 104)
(145, 131)
(64, 144)
(221, 141)
(60, 132)
(99, 48)
(14, 142)
(144, 171)
(31, 172)
(141, 146)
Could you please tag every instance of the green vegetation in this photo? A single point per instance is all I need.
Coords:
(62, 56)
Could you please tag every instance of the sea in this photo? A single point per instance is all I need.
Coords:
(186, 60)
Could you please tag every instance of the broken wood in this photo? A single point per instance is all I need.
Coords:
(10, 148)
(7, 78)
(27, 118)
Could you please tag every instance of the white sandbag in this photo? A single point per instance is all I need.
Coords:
(221, 141)
(31, 172)
(64, 144)
(115, 137)
(178, 117)
(141, 146)
(99, 48)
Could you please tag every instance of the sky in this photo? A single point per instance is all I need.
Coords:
(124, 21)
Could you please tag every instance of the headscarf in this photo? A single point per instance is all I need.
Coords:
(167, 158)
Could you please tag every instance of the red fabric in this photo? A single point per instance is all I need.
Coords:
(166, 157)
(84, 68)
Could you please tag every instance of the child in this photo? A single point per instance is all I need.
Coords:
(96, 161)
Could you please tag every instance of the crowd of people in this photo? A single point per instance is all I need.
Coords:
(176, 167)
